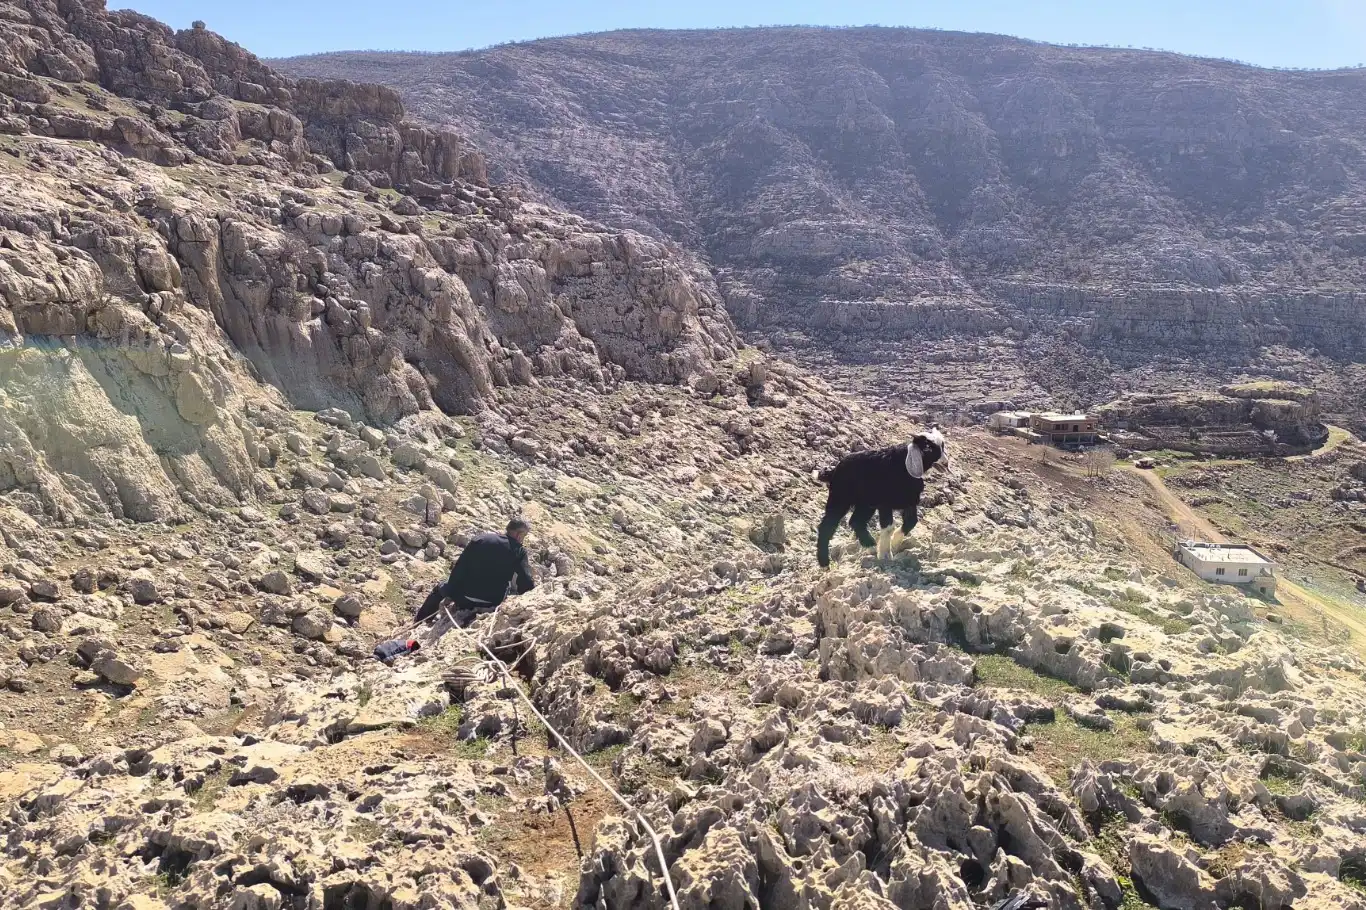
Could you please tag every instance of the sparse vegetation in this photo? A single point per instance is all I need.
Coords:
(1172, 625)
(366, 830)
(1232, 856)
(471, 749)
(207, 795)
(1061, 745)
(603, 758)
(1000, 671)
(1281, 782)
(643, 497)
(1352, 872)
(624, 705)
(447, 723)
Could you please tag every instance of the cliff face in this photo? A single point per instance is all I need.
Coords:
(183, 230)
(1244, 419)
(895, 183)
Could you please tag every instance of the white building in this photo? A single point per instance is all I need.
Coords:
(1005, 421)
(1227, 563)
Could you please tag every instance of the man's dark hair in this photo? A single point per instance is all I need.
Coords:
(518, 525)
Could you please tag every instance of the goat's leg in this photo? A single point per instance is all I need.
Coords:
(884, 538)
(859, 522)
(909, 518)
(830, 523)
(898, 535)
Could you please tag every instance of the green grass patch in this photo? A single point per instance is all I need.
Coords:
(1352, 873)
(1001, 672)
(367, 830)
(1280, 782)
(624, 705)
(1063, 744)
(1110, 844)
(207, 795)
(740, 648)
(1170, 624)
(735, 598)
(367, 692)
(1355, 742)
(446, 723)
(603, 758)
(472, 749)
(1305, 830)
(163, 884)
(1231, 857)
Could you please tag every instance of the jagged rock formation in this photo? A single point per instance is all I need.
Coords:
(184, 230)
(1243, 419)
(1010, 704)
(192, 247)
(866, 185)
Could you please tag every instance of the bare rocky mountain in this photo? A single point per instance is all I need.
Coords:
(1084, 221)
(270, 353)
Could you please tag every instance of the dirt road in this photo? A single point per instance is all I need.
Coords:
(1177, 510)
(1298, 603)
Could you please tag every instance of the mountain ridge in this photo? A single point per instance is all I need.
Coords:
(887, 183)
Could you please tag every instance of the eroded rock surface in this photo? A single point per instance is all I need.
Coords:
(274, 355)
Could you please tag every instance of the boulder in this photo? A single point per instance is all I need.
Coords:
(44, 590)
(47, 619)
(311, 565)
(1171, 875)
(275, 582)
(348, 605)
(143, 588)
(116, 670)
(314, 624)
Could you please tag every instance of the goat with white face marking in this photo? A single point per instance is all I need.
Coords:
(881, 481)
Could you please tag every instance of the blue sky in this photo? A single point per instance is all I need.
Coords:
(1294, 33)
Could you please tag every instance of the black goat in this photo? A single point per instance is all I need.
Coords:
(881, 481)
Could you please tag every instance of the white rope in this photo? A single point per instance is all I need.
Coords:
(564, 744)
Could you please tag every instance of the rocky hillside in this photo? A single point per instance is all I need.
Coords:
(1028, 698)
(872, 188)
(270, 355)
(184, 231)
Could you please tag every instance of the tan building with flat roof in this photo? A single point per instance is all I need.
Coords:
(1066, 430)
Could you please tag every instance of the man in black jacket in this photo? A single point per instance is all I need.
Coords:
(480, 575)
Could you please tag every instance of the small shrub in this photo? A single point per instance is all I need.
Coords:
(447, 722)
(1281, 782)
(1352, 873)
(473, 748)
(207, 794)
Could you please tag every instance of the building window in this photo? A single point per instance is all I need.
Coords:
(1219, 571)
(1075, 427)
(1242, 573)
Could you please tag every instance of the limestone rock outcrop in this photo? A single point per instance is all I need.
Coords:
(186, 232)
